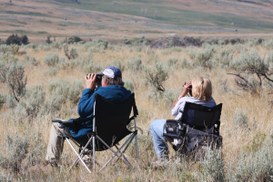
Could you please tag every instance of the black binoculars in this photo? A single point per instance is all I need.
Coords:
(98, 78)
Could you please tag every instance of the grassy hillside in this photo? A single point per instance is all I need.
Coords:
(128, 18)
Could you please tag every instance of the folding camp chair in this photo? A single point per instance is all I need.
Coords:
(199, 126)
(110, 126)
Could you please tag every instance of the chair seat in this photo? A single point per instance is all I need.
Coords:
(110, 140)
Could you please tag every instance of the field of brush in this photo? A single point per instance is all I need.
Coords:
(39, 82)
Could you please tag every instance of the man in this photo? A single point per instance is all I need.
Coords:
(111, 88)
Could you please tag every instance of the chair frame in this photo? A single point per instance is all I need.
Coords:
(118, 152)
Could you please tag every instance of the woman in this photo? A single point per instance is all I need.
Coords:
(201, 90)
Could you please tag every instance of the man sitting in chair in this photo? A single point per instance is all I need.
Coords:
(109, 85)
(200, 92)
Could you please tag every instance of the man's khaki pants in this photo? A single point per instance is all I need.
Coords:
(55, 143)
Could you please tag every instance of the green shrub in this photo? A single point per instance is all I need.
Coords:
(213, 166)
(251, 71)
(156, 76)
(224, 57)
(250, 62)
(135, 64)
(269, 62)
(268, 43)
(4, 48)
(137, 41)
(16, 149)
(32, 102)
(172, 62)
(240, 118)
(256, 142)
(203, 58)
(2, 100)
(70, 54)
(14, 49)
(88, 66)
(13, 75)
(73, 39)
(32, 61)
(73, 53)
(52, 60)
(63, 92)
(15, 39)
(256, 166)
(48, 40)
(186, 64)
(10, 101)
(97, 45)
(22, 151)
(24, 40)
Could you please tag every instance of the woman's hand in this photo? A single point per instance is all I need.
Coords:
(185, 90)
(90, 81)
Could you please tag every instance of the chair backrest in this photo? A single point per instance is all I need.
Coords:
(201, 117)
(111, 119)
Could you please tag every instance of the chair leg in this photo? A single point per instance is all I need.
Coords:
(94, 151)
(125, 146)
(79, 157)
(120, 152)
(137, 151)
(81, 154)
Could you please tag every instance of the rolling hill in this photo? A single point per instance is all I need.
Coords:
(122, 19)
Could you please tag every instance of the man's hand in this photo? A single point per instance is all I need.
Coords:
(90, 81)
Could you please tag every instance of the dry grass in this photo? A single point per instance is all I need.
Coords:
(237, 140)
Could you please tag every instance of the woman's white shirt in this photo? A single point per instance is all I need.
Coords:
(179, 106)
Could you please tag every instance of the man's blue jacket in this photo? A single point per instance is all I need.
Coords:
(81, 126)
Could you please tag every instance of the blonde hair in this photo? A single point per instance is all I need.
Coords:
(201, 88)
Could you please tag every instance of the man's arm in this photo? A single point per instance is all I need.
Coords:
(85, 106)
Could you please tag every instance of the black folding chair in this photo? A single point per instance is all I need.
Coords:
(199, 126)
(110, 125)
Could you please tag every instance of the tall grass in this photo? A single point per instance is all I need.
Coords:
(246, 120)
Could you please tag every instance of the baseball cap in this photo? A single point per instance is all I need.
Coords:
(112, 72)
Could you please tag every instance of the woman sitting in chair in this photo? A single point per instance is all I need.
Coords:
(198, 91)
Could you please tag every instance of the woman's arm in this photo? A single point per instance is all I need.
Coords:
(184, 92)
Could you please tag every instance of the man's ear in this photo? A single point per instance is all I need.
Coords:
(107, 82)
